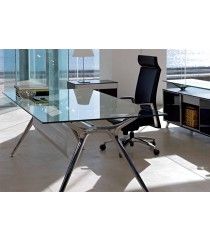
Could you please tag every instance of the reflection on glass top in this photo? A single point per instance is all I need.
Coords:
(74, 105)
(183, 83)
(91, 81)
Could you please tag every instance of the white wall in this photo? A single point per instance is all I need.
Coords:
(106, 64)
(121, 65)
(125, 70)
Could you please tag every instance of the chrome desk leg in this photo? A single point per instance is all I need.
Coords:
(23, 136)
(112, 131)
(73, 160)
(114, 135)
(124, 153)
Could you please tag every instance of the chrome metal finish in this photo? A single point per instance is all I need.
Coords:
(73, 160)
(112, 131)
(22, 137)
(146, 138)
(108, 141)
(153, 112)
(81, 131)
(144, 142)
(126, 156)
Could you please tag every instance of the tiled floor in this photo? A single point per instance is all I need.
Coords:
(183, 164)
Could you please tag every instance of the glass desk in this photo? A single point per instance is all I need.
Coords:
(78, 108)
(92, 81)
(184, 83)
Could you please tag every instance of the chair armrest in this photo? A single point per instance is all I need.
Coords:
(154, 111)
(146, 104)
(129, 98)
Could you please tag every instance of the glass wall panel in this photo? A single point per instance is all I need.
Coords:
(1, 71)
(57, 68)
(198, 64)
(37, 65)
(91, 66)
(176, 61)
(63, 67)
(7, 68)
(48, 66)
(188, 63)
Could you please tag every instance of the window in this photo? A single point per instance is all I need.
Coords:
(188, 63)
(91, 66)
(37, 64)
(7, 68)
(51, 66)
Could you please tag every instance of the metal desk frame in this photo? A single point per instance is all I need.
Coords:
(82, 134)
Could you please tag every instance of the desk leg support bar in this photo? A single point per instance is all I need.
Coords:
(73, 160)
(23, 136)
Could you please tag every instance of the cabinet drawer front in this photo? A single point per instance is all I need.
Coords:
(191, 100)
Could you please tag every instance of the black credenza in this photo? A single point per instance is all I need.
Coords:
(104, 86)
(189, 108)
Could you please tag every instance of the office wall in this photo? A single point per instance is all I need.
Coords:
(121, 65)
(125, 70)
(106, 64)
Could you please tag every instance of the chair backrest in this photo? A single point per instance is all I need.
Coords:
(146, 91)
(147, 84)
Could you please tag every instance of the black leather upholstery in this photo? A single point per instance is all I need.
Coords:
(148, 79)
(146, 90)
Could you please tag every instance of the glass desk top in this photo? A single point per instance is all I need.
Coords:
(91, 81)
(70, 105)
(184, 83)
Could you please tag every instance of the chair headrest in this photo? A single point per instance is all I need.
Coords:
(147, 61)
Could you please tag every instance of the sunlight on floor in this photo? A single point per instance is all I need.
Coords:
(82, 178)
(171, 170)
(152, 129)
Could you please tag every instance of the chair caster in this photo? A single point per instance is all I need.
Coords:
(131, 144)
(120, 155)
(156, 151)
(153, 142)
(103, 147)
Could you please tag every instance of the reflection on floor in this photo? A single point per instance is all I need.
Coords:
(183, 164)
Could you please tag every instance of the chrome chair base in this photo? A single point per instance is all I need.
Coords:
(132, 139)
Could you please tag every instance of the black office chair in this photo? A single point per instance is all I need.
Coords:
(145, 96)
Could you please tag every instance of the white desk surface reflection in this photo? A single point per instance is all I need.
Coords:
(70, 105)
